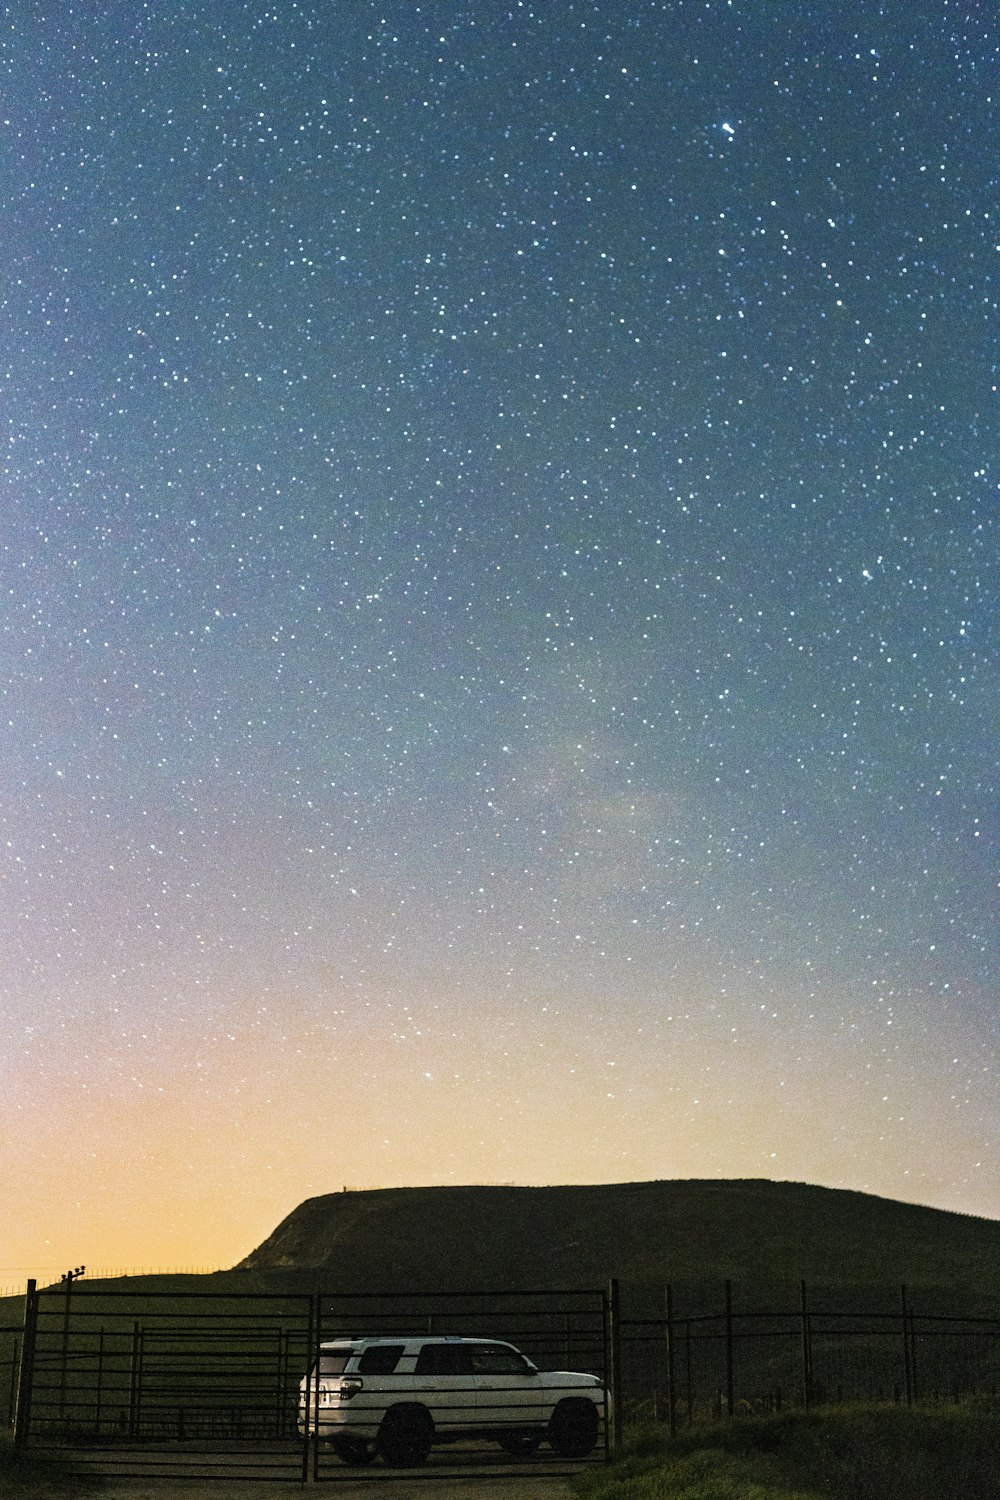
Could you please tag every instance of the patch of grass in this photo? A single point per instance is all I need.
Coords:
(854, 1453)
(24, 1475)
(710, 1474)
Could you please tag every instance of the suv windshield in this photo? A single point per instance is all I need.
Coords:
(497, 1359)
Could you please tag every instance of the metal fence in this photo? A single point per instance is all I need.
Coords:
(697, 1361)
(179, 1383)
(163, 1382)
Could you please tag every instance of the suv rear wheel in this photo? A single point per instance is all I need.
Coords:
(573, 1429)
(405, 1437)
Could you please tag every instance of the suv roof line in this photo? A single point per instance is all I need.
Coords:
(393, 1338)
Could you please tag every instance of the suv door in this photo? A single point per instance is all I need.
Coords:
(511, 1396)
(444, 1382)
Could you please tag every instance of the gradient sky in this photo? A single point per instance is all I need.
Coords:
(497, 584)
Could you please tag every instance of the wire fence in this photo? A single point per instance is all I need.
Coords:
(119, 1365)
(695, 1361)
(14, 1278)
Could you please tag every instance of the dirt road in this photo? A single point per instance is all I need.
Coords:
(500, 1488)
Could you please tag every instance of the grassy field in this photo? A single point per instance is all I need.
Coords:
(29, 1478)
(860, 1453)
(856, 1453)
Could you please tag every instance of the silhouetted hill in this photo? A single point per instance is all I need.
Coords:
(645, 1233)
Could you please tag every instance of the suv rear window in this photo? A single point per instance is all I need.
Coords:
(333, 1361)
(380, 1359)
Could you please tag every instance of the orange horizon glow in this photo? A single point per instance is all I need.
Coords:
(185, 1165)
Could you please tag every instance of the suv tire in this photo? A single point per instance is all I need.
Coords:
(573, 1429)
(405, 1437)
(353, 1451)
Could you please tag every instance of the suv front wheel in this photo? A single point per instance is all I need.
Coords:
(405, 1437)
(353, 1451)
(573, 1429)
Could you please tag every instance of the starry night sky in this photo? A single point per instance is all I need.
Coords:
(497, 568)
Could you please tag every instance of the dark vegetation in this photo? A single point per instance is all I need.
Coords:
(33, 1478)
(754, 1232)
(852, 1453)
(645, 1233)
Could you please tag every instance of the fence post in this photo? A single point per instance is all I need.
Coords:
(807, 1366)
(913, 1355)
(135, 1381)
(12, 1392)
(281, 1383)
(22, 1412)
(671, 1388)
(907, 1353)
(306, 1417)
(614, 1360)
(730, 1362)
(100, 1382)
(64, 1362)
(310, 1437)
(687, 1372)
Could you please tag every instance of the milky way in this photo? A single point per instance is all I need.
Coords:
(497, 586)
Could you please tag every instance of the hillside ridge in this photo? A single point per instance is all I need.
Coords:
(472, 1236)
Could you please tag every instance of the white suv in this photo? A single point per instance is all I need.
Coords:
(397, 1396)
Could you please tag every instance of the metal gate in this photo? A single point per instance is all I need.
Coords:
(187, 1384)
(169, 1383)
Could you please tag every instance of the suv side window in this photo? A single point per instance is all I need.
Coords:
(443, 1359)
(380, 1359)
(495, 1359)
